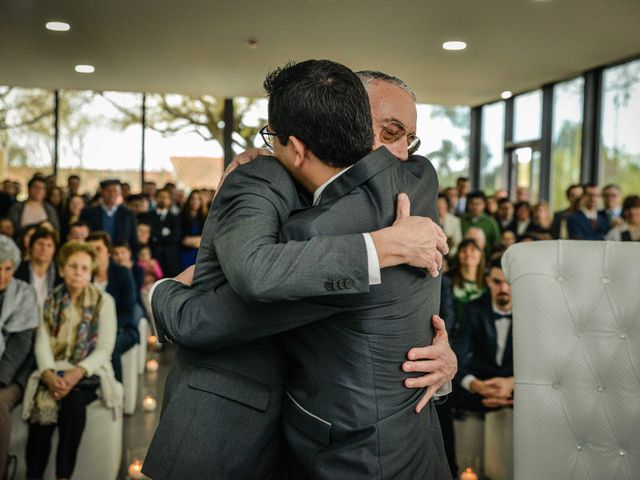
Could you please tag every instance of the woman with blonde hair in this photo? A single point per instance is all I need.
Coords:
(73, 348)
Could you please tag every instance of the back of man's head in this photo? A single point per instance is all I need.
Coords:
(325, 106)
(367, 77)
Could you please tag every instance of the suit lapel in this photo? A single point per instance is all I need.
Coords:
(360, 173)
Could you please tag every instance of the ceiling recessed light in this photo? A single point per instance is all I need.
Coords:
(58, 26)
(85, 69)
(455, 45)
(506, 94)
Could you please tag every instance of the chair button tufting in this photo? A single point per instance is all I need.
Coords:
(605, 280)
(560, 278)
(623, 336)
(622, 453)
(601, 389)
(578, 334)
(556, 386)
(580, 445)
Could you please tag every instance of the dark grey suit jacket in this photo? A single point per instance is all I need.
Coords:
(221, 411)
(347, 412)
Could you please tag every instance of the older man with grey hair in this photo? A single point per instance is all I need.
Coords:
(18, 318)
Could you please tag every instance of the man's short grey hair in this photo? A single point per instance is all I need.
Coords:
(368, 76)
(9, 251)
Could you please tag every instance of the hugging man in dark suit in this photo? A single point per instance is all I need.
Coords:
(221, 415)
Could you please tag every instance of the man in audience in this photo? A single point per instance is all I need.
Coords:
(78, 231)
(559, 228)
(73, 185)
(612, 199)
(150, 189)
(484, 348)
(477, 235)
(165, 234)
(504, 215)
(115, 219)
(588, 223)
(522, 194)
(476, 217)
(462, 189)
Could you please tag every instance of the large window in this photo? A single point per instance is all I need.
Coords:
(26, 133)
(444, 132)
(492, 173)
(527, 116)
(620, 153)
(100, 137)
(567, 138)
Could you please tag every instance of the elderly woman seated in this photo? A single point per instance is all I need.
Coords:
(18, 319)
(73, 348)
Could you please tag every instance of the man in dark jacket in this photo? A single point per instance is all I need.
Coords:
(165, 234)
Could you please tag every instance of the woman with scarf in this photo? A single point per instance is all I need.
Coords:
(18, 319)
(74, 342)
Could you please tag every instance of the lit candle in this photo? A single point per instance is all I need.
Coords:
(152, 365)
(135, 470)
(152, 340)
(149, 404)
(468, 475)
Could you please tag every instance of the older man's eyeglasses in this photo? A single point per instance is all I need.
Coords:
(393, 131)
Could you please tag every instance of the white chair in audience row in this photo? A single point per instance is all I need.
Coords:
(100, 452)
(576, 344)
(133, 364)
(143, 330)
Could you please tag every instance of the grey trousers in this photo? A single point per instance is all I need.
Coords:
(9, 398)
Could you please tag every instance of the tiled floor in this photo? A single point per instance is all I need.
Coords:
(139, 427)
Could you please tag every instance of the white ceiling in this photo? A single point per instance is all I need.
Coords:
(199, 46)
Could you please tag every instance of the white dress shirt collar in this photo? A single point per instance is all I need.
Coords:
(318, 193)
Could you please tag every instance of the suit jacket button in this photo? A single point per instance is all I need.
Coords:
(348, 283)
(328, 286)
(341, 284)
(336, 285)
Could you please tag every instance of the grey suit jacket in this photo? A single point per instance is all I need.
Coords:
(347, 412)
(221, 411)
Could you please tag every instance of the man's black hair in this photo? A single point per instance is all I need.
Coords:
(35, 179)
(477, 194)
(325, 106)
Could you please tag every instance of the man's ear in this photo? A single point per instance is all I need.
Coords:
(300, 149)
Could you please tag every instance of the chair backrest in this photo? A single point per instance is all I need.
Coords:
(576, 343)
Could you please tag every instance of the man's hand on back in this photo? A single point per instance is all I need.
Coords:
(242, 158)
(417, 241)
(437, 361)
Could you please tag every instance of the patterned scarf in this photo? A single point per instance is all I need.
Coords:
(56, 314)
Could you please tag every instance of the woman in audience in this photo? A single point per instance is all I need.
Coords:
(192, 218)
(24, 239)
(629, 229)
(118, 282)
(40, 270)
(71, 214)
(540, 229)
(467, 277)
(34, 209)
(521, 219)
(7, 228)
(19, 318)
(450, 224)
(55, 198)
(73, 350)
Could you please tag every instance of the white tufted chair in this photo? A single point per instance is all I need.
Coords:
(576, 343)
(143, 330)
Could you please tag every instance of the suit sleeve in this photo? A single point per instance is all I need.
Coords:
(463, 343)
(253, 205)
(211, 319)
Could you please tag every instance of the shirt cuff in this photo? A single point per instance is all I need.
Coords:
(153, 320)
(466, 382)
(443, 390)
(375, 278)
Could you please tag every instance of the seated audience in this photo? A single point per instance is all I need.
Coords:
(126, 190)
(588, 223)
(521, 219)
(559, 228)
(629, 229)
(151, 268)
(484, 348)
(6, 201)
(165, 234)
(73, 348)
(504, 215)
(492, 206)
(118, 282)
(463, 186)
(541, 226)
(192, 218)
(612, 199)
(40, 270)
(122, 255)
(18, 320)
(149, 190)
(507, 238)
(115, 219)
(55, 198)
(467, 277)
(78, 231)
(450, 224)
(34, 209)
(476, 217)
(143, 233)
(71, 214)
(477, 235)
(7, 228)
